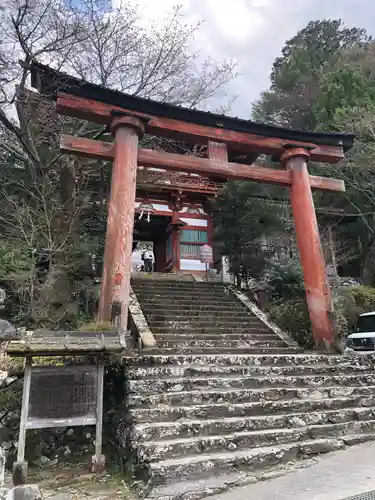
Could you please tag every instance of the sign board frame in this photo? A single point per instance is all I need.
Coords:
(96, 417)
(206, 256)
(74, 391)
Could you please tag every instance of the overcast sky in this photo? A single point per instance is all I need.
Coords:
(254, 31)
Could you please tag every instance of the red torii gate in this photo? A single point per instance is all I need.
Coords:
(129, 117)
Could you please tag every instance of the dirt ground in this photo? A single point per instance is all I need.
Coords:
(75, 482)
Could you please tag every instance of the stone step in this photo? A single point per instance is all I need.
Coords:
(188, 328)
(227, 302)
(219, 342)
(153, 386)
(208, 464)
(171, 414)
(190, 301)
(192, 311)
(163, 450)
(160, 431)
(237, 396)
(214, 371)
(208, 323)
(188, 295)
(228, 308)
(200, 488)
(178, 287)
(221, 350)
(302, 359)
(180, 337)
(201, 285)
(202, 319)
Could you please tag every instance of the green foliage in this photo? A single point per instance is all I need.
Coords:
(286, 280)
(354, 301)
(311, 50)
(288, 307)
(291, 313)
(241, 219)
(325, 81)
(341, 91)
(13, 262)
(292, 316)
(96, 327)
(364, 297)
(56, 205)
(296, 75)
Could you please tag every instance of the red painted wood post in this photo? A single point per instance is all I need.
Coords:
(121, 208)
(310, 248)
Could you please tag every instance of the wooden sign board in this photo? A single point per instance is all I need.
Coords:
(62, 396)
(206, 254)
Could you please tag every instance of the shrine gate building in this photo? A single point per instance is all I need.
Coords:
(171, 212)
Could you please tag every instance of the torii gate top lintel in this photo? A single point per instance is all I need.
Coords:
(94, 103)
(232, 146)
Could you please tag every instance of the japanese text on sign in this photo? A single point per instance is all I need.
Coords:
(205, 253)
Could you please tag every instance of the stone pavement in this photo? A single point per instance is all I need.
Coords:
(335, 476)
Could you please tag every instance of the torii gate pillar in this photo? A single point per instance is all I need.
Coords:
(114, 293)
(311, 254)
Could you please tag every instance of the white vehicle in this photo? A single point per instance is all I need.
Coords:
(364, 337)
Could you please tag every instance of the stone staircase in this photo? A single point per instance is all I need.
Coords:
(198, 317)
(222, 399)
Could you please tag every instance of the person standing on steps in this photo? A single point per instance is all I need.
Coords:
(148, 259)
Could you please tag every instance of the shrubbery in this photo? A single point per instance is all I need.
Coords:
(285, 280)
(288, 308)
(353, 301)
(292, 317)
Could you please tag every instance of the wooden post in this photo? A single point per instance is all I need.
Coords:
(118, 247)
(218, 151)
(98, 460)
(310, 248)
(175, 243)
(20, 467)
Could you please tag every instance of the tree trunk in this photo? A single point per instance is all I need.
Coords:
(368, 264)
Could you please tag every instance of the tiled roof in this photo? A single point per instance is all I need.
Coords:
(49, 81)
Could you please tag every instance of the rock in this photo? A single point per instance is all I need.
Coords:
(6, 445)
(67, 451)
(8, 331)
(70, 432)
(3, 378)
(42, 460)
(356, 439)
(297, 422)
(322, 446)
(10, 380)
(20, 470)
(26, 492)
(316, 395)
